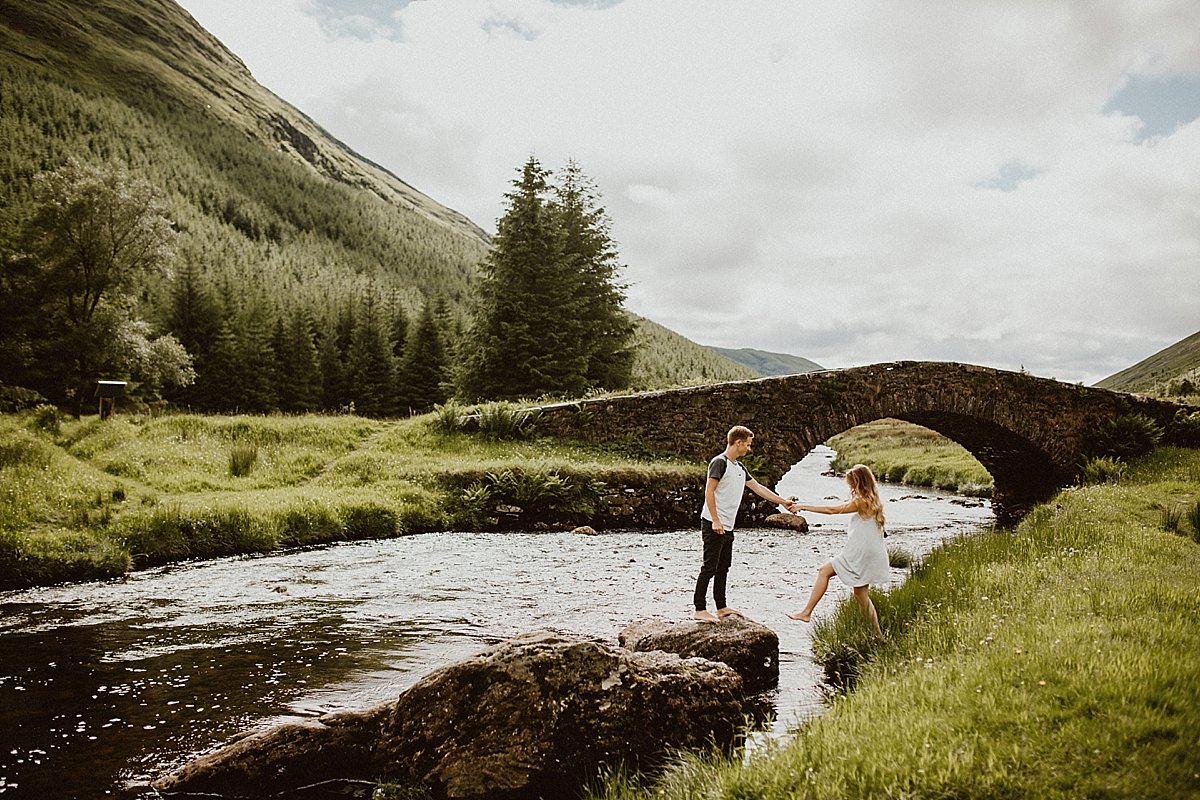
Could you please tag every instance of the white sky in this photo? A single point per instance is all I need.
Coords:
(1015, 184)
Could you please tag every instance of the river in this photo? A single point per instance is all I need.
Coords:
(104, 686)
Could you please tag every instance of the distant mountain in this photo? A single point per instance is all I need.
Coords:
(1153, 374)
(273, 212)
(766, 363)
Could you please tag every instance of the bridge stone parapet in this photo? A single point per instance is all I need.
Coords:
(1028, 432)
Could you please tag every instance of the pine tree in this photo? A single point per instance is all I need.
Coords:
(608, 329)
(300, 381)
(218, 384)
(333, 344)
(195, 314)
(256, 363)
(524, 341)
(423, 378)
(371, 369)
(399, 332)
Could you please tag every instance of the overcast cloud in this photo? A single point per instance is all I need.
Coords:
(1015, 184)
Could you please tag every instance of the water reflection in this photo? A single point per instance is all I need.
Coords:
(103, 686)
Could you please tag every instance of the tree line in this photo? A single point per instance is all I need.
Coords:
(76, 283)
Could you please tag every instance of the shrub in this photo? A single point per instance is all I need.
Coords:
(1103, 469)
(48, 419)
(468, 508)
(1184, 430)
(1125, 437)
(18, 398)
(241, 459)
(448, 418)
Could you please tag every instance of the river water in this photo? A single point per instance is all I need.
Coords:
(104, 686)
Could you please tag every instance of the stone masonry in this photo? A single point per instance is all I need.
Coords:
(1028, 432)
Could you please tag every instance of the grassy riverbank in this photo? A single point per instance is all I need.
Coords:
(900, 452)
(85, 499)
(1054, 661)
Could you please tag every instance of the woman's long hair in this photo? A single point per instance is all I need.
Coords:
(862, 486)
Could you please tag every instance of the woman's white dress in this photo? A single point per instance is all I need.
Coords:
(864, 559)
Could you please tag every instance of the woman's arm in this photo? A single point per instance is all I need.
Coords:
(845, 508)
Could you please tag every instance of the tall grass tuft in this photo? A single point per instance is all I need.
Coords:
(170, 533)
(242, 458)
(505, 421)
(1193, 517)
(899, 558)
(48, 557)
(1102, 469)
(1171, 517)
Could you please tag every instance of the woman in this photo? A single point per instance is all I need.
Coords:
(864, 560)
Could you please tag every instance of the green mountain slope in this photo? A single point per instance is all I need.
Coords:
(767, 363)
(1155, 373)
(668, 359)
(273, 211)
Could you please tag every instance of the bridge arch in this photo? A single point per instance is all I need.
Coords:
(1028, 432)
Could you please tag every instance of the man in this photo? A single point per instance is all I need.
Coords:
(727, 481)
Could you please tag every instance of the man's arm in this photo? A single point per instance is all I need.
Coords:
(710, 500)
(767, 494)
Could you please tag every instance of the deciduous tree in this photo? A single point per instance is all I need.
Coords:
(95, 234)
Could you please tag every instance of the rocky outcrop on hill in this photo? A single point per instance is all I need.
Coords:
(536, 716)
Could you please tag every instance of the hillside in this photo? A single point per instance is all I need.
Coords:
(275, 215)
(1156, 373)
(767, 363)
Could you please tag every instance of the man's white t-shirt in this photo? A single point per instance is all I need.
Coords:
(731, 485)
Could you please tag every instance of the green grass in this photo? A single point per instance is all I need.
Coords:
(96, 499)
(900, 452)
(1053, 661)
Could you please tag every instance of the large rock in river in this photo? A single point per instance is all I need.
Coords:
(538, 716)
(750, 648)
(533, 717)
(334, 748)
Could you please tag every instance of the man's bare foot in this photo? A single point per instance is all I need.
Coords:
(705, 616)
(801, 616)
(729, 612)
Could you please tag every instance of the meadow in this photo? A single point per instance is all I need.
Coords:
(1056, 660)
(90, 499)
(900, 452)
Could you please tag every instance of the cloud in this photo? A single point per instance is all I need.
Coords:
(1014, 184)
(1160, 105)
(366, 20)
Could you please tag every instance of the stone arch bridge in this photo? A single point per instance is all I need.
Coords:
(1028, 432)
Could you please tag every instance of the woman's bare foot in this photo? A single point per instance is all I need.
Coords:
(729, 612)
(801, 616)
(705, 616)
